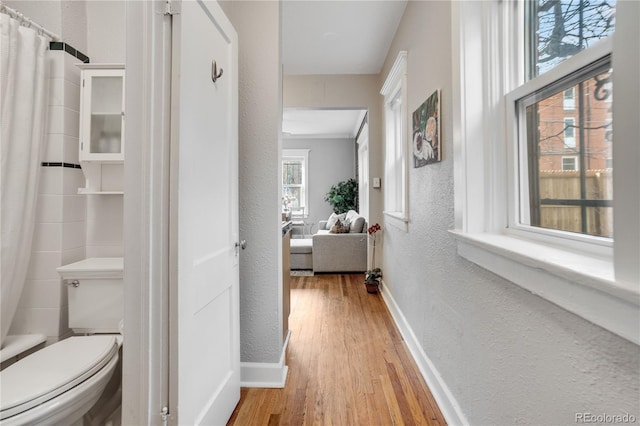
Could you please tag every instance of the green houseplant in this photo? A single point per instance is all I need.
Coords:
(343, 196)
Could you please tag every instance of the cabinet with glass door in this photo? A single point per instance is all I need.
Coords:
(102, 122)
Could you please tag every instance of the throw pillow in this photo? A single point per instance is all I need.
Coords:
(357, 225)
(340, 227)
(334, 218)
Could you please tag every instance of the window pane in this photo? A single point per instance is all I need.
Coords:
(558, 29)
(570, 174)
(292, 172)
(292, 196)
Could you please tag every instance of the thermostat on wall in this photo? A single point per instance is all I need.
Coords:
(376, 182)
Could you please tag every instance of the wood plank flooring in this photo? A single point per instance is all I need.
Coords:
(348, 364)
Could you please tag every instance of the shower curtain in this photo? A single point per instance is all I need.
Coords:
(23, 96)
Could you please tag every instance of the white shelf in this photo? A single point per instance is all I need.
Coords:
(85, 191)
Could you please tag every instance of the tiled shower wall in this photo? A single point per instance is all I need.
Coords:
(61, 217)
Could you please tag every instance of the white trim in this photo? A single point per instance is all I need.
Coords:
(398, 70)
(396, 82)
(447, 403)
(144, 365)
(265, 374)
(579, 283)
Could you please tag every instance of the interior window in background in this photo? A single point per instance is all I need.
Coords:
(295, 181)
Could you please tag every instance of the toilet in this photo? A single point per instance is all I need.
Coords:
(61, 382)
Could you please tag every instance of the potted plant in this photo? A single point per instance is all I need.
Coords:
(343, 196)
(372, 280)
(372, 276)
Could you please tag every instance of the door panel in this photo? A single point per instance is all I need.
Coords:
(205, 351)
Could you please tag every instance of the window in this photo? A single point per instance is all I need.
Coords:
(569, 101)
(498, 157)
(295, 178)
(569, 164)
(395, 119)
(557, 31)
(569, 132)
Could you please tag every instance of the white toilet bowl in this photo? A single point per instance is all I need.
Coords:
(60, 383)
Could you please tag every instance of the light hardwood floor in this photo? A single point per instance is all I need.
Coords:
(348, 364)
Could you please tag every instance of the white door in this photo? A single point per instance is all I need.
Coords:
(204, 342)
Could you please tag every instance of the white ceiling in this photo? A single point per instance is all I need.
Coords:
(321, 123)
(338, 37)
(334, 37)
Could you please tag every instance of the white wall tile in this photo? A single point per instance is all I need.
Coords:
(71, 122)
(73, 235)
(42, 294)
(49, 208)
(55, 122)
(73, 255)
(56, 63)
(71, 70)
(50, 181)
(105, 251)
(47, 237)
(43, 264)
(70, 149)
(20, 323)
(45, 321)
(74, 208)
(72, 179)
(72, 95)
(54, 148)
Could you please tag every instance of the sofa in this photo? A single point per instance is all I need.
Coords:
(341, 252)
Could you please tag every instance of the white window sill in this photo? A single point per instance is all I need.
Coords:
(583, 284)
(398, 220)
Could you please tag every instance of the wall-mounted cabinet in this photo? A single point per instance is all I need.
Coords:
(102, 122)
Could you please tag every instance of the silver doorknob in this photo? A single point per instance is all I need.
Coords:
(242, 244)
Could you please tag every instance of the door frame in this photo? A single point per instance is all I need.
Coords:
(146, 207)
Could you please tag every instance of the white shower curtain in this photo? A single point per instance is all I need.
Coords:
(23, 95)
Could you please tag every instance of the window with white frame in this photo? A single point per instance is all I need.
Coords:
(295, 181)
(502, 160)
(569, 164)
(555, 32)
(569, 99)
(395, 118)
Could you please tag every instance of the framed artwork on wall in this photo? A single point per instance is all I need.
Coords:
(426, 132)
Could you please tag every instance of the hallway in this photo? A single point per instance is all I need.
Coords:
(348, 364)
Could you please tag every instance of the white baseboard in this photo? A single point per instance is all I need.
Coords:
(439, 389)
(265, 374)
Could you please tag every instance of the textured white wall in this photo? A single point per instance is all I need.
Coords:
(258, 26)
(508, 356)
(330, 161)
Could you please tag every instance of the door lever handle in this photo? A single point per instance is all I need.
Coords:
(242, 244)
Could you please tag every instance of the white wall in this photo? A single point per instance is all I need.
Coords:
(258, 26)
(330, 161)
(506, 355)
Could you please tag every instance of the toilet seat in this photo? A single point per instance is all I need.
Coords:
(52, 371)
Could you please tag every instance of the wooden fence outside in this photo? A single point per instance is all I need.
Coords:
(565, 185)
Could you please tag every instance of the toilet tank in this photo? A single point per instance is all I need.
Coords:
(95, 294)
